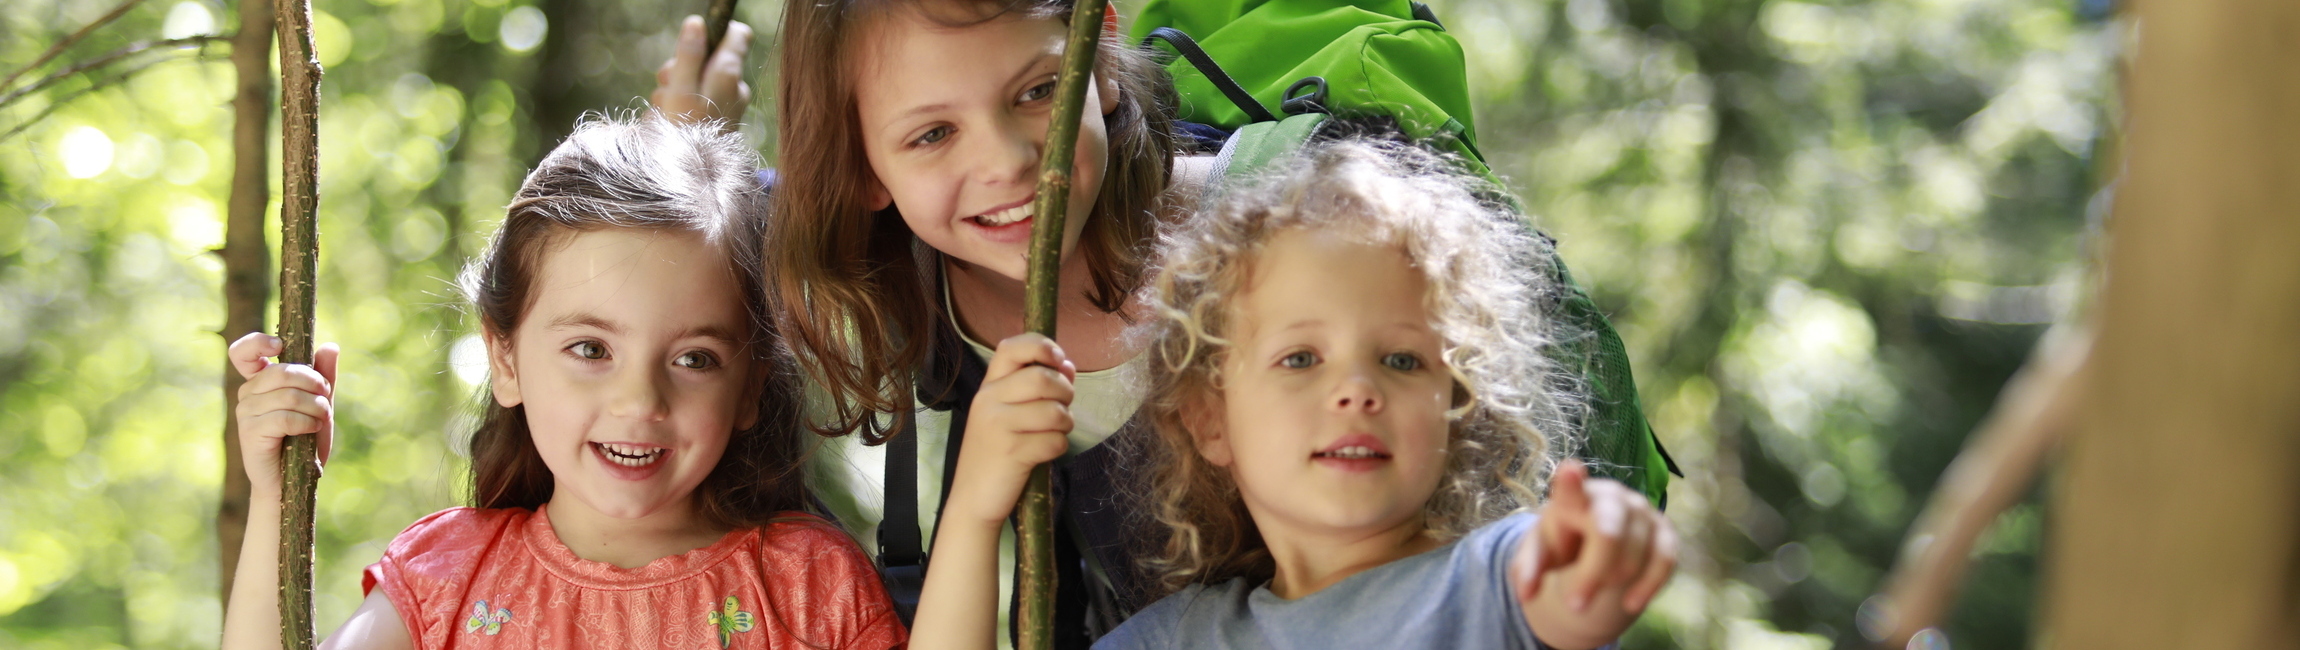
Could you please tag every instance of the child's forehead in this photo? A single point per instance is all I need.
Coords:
(880, 25)
(1307, 269)
(638, 271)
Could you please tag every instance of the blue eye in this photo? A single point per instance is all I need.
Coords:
(1299, 360)
(591, 350)
(1402, 361)
(697, 360)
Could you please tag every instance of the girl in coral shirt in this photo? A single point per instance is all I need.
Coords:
(635, 474)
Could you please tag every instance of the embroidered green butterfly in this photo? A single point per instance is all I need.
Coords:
(482, 620)
(729, 621)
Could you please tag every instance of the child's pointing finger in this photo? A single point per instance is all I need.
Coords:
(1601, 546)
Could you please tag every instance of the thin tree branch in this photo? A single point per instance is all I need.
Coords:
(1999, 462)
(93, 87)
(108, 58)
(299, 267)
(1034, 546)
(62, 45)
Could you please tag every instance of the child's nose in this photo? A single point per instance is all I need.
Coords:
(1358, 394)
(1013, 154)
(639, 396)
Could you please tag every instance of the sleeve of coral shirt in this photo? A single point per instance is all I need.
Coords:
(425, 568)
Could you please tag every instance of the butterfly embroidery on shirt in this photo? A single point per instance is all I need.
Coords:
(482, 620)
(729, 621)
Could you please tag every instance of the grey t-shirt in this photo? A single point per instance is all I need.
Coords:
(1456, 596)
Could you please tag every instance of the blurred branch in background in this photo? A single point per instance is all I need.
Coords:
(2178, 505)
(66, 42)
(99, 62)
(246, 258)
(1996, 468)
(66, 99)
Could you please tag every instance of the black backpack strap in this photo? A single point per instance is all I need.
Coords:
(948, 383)
(900, 556)
(1188, 48)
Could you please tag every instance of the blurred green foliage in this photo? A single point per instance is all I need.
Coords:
(1828, 231)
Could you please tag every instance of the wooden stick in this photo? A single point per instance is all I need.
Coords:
(715, 26)
(1035, 546)
(299, 257)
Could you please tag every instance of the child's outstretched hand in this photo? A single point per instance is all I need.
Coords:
(695, 85)
(1019, 419)
(281, 400)
(1593, 562)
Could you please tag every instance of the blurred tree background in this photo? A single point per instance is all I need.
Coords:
(1828, 230)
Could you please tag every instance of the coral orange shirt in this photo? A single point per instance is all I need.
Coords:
(500, 578)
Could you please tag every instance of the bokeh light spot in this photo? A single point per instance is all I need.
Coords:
(86, 152)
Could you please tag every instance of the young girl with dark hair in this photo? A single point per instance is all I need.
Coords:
(635, 478)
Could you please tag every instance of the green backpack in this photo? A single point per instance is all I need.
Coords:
(1389, 59)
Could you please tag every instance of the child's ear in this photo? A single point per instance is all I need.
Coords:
(1106, 89)
(503, 372)
(1209, 430)
(875, 194)
(747, 414)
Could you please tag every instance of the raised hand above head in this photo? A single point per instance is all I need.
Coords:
(693, 87)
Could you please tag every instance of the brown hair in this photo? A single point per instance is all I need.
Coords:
(852, 287)
(1486, 296)
(651, 174)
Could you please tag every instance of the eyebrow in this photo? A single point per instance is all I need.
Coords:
(587, 320)
(920, 109)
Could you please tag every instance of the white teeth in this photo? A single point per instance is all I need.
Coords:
(630, 455)
(1006, 216)
(1352, 452)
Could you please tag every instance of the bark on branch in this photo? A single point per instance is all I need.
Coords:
(1035, 533)
(299, 253)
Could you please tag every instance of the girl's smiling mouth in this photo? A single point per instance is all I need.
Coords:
(1006, 224)
(1006, 214)
(630, 461)
(1357, 452)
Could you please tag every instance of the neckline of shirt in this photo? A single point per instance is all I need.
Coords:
(554, 556)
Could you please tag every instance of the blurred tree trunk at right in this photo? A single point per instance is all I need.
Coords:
(2179, 509)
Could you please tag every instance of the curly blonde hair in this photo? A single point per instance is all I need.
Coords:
(1487, 294)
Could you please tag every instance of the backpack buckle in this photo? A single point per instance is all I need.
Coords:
(1314, 102)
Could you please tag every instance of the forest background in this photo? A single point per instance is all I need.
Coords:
(1828, 231)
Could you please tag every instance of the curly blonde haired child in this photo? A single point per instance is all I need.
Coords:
(1351, 398)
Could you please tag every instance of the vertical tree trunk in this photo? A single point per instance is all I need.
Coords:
(2178, 517)
(555, 101)
(299, 256)
(1034, 548)
(245, 255)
